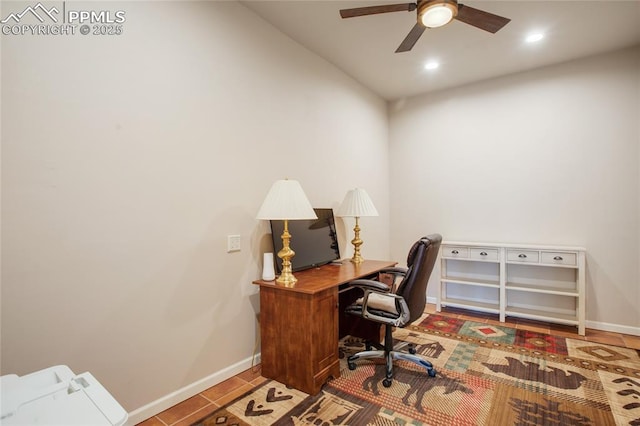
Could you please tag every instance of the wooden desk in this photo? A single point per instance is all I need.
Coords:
(299, 325)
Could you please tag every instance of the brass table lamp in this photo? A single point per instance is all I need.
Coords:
(286, 201)
(357, 203)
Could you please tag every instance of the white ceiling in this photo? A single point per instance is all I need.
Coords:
(363, 47)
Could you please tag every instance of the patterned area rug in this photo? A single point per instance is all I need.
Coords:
(487, 375)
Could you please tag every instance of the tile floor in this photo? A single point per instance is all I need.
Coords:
(206, 402)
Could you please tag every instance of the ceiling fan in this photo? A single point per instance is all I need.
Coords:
(433, 14)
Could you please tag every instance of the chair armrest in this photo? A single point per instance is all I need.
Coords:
(371, 285)
(396, 270)
(401, 308)
(383, 290)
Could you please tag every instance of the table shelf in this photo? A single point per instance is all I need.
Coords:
(545, 283)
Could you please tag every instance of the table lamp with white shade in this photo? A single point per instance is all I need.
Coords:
(286, 201)
(357, 203)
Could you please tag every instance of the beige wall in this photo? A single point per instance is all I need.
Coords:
(549, 156)
(127, 160)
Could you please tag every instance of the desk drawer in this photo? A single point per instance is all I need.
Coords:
(558, 258)
(483, 254)
(455, 252)
(524, 256)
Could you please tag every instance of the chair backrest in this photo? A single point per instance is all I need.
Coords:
(420, 263)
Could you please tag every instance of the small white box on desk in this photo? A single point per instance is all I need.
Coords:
(57, 396)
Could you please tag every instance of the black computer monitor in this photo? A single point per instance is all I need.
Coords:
(314, 241)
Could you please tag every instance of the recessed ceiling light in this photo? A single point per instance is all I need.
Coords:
(431, 65)
(535, 37)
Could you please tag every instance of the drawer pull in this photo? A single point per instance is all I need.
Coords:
(454, 252)
(522, 256)
(558, 258)
(483, 253)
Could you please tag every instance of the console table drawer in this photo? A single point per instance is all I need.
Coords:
(558, 258)
(525, 256)
(455, 252)
(483, 254)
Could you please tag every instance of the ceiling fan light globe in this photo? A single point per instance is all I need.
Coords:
(438, 14)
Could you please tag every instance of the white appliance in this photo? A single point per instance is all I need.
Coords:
(56, 396)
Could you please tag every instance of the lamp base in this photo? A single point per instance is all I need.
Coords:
(286, 277)
(357, 242)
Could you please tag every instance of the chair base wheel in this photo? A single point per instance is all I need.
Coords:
(351, 365)
(386, 383)
(432, 372)
(412, 350)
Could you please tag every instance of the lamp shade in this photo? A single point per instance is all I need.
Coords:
(357, 203)
(286, 200)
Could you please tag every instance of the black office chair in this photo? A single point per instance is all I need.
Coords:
(397, 309)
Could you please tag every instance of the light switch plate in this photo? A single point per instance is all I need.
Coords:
(233, 243)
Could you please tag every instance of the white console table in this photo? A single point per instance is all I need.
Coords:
(544, 283)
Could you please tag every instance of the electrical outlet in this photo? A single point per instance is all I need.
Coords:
(233, 243)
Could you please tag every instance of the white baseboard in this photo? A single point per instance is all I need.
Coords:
(167, 401)
(616, 328)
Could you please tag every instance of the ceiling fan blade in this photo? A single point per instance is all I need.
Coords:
(372, 10)
(481, 19)
(411, 38)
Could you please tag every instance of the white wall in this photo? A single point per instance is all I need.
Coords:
(127, 160)
(549, 156)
